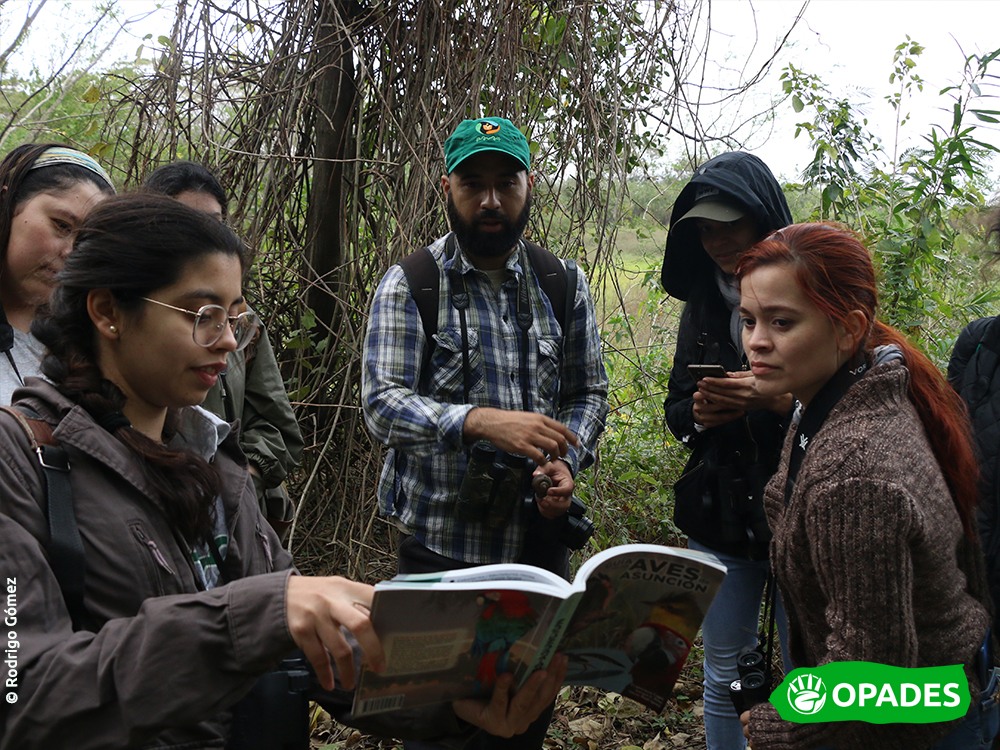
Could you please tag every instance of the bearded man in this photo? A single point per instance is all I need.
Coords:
(494, 382)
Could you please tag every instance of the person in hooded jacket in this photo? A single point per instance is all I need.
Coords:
(974, 372)
(731, 202)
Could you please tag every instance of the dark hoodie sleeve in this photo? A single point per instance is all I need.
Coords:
(965, 347)
(681, 387)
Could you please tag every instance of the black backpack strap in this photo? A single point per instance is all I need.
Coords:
(65, 546)
(424, 280)
(558, 281)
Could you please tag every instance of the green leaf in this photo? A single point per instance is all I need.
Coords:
(797, 104)
(833, 193)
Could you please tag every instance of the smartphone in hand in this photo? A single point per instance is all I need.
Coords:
(706, 371)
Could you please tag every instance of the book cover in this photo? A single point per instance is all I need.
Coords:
(626, 623)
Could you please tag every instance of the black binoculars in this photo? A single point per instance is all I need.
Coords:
(575, 529)
(492, 487)
(753, 686)
(496, 483)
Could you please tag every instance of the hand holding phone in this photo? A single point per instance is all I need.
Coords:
(706, 371)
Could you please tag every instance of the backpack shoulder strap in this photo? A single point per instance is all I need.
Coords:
(424, 280)
(558, 281)
(65, 546)
(37, 431)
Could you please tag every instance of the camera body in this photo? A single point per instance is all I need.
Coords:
(274, 715)
(753, 685)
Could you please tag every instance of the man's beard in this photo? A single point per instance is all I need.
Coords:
(488, 244)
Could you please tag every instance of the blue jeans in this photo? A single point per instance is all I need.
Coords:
(729, 629)
(980, 726)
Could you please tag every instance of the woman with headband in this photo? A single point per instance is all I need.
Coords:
(45, 191)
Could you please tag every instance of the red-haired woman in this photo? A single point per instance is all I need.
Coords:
(872, 506)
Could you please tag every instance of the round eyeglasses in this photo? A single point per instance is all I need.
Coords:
(210, 323)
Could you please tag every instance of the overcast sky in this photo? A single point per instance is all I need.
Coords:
(848, 43)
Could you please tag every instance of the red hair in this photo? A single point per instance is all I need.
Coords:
(834, 270)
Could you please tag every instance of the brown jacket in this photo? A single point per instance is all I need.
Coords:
(160, 658)
(871, 560)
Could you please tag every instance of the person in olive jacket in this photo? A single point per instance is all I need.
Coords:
(731, 202)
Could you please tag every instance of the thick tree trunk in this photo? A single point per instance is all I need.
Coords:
(335, 95)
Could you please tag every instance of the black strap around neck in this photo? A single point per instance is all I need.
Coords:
(524, 320)
(819, 409)
(766, 637)
(7, 344)
(460, 300)
(6, 332)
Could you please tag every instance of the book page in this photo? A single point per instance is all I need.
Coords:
(452, 640)
(498, 572)
(639, 612)
(626, 625)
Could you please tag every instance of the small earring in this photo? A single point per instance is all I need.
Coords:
(113, 329)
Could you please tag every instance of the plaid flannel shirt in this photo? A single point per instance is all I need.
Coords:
(420, 415)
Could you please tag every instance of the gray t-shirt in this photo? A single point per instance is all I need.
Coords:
(27, 354)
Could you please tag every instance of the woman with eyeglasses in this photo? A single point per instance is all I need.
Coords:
(45, 191)
(187, 596)
(252, 389)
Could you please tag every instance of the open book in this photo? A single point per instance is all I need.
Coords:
(626, 623)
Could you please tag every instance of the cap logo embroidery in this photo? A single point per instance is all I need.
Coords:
(488, 128)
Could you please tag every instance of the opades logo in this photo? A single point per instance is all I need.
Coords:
(806, 693)
(875, 693)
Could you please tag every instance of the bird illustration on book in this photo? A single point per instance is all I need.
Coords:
(660, 645)
(505, 617)
(594, 605)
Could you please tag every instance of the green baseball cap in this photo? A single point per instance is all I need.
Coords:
(485, 134)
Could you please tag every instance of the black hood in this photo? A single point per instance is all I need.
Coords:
(739, 177)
